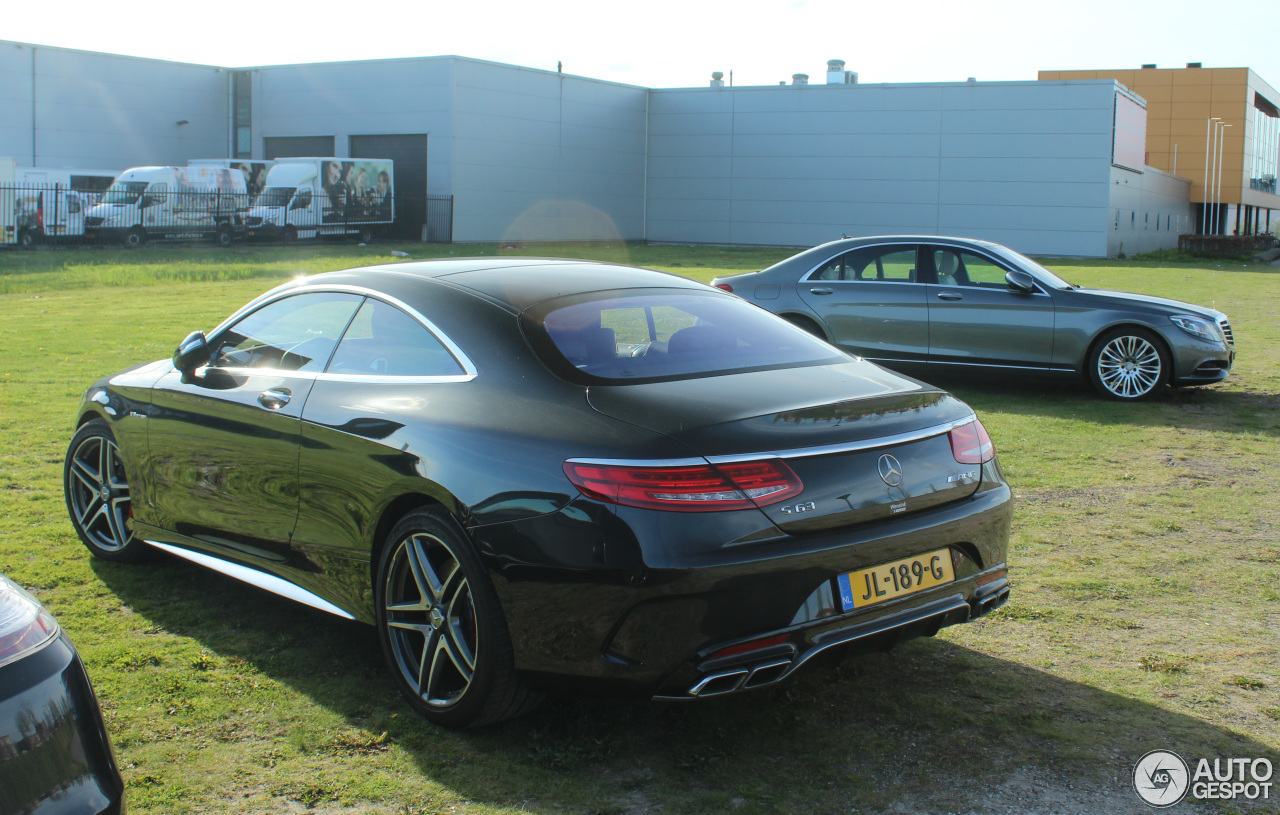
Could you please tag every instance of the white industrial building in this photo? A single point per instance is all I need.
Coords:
(1047, 167)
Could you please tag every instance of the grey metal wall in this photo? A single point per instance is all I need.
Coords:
(1022, 163)
(1148, 211)
(66, 108)
(540, 156)
(344, 99)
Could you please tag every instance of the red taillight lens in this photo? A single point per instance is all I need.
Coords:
(754, 645)
(970, 444)
(693, 488)
(724, 286)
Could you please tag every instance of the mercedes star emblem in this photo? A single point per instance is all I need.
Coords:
(890, 470)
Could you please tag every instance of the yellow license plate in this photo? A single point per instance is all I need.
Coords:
(866, 587)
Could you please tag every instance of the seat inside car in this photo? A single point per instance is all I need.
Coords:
(700, 339)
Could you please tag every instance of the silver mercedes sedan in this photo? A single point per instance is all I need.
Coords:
(923, 302)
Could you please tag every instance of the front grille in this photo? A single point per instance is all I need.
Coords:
(93, 220)
(253, 220)
(1226, 332)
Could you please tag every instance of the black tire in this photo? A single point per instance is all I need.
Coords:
(441, 627)
(800, 321)
(366, 235)
(135, 237)
(96, 489)
(1129, 364)
(26, 239)
(290, 234)
(224, 237)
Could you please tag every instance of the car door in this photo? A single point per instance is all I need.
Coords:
(224, 441)
(873, 302)
(975, 318)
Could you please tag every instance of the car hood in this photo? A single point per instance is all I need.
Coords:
(1158, 303)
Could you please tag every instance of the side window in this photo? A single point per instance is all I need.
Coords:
(831, 270)
(886, 264)
(294, 334)
(957, 267)
(384, 341)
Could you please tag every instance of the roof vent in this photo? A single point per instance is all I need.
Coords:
(835, 72)
(1146, 65)
(799, 79)
(1193, 65)
(973, 80)
(717, 79)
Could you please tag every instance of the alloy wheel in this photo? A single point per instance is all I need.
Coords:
(430, 619)
(1129, 366)
(98, 494)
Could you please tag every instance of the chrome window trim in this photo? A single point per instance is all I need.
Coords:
(919, 244)
(381, 379)
(289, 290)
(800, 452)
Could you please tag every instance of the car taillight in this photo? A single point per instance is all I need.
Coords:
(724, 286)
(691, 488)
(25, 625)
(970, 444)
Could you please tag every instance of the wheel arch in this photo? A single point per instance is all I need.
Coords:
(396, 509)
(797, 317)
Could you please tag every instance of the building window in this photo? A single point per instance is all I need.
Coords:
(242, 92)
(1266, 145)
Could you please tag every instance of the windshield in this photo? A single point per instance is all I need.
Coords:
(653, 334)
(274, 197)
(1025, 262)
(124, 192)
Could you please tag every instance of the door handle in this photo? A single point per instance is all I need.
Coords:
(275, 398)
(821, 291)
(949, 295)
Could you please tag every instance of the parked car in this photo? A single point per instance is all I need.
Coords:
(919, 303)
(55, 755)
(535, 474)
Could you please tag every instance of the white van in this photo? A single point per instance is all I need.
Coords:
(306, 197)
(51, 202)
(170, 202)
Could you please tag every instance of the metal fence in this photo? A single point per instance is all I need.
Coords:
(33, 213)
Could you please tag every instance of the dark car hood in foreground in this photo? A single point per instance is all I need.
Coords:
(1162, 303)
(794, 410)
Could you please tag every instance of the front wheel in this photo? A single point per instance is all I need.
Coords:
(441, 627)
(135, 237)
(1129, 364)
(224, 237)
(26, 239)
(97, 494)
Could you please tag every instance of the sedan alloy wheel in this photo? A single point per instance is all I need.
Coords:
(97, 493)
(1128, 365)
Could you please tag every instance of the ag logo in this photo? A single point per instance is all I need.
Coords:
(1161, 778)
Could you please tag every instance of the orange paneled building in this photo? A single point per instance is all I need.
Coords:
(1237, 111)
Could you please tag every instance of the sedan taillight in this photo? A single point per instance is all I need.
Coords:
(970, 444)
(691, 488)
(25, 626)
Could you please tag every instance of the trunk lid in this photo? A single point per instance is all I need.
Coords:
(831, 424)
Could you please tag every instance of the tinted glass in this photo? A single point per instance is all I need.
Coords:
(294, 334)
(886, 264)
(956, 267)
(383, 340)
(663, 334)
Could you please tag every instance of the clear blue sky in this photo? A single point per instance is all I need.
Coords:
(663, 43)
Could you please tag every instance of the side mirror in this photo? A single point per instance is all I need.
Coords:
(1021, 282)
(147, 201)
(192, 353)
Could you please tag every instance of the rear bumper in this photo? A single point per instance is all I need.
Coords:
(959, 602)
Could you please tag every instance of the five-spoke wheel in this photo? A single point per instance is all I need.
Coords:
(441, 625)
(1129, 364)
(97, 493)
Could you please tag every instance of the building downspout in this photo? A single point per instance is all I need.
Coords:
(644, 195)
(34, 156)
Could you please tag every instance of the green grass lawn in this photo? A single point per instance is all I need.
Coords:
(1146, 612)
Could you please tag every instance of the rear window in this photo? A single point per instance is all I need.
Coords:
(655, 334)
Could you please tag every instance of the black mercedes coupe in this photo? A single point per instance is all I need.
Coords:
(534, 475)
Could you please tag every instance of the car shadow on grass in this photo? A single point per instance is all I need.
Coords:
(1221, 408)
(933, 726)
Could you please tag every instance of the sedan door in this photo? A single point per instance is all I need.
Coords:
(975, 318)
(224, 441)
(873, 302)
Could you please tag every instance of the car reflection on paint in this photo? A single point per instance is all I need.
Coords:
(931, 304)
(55, 755)
(534, 475)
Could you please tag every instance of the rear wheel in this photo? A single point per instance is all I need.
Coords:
(26, 238)
(97, 494)
(366, 235)
(290, 234)
(441, 627)
(1129, 364)
(223, 236)
(135, 237)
